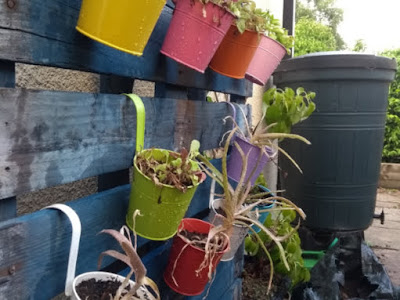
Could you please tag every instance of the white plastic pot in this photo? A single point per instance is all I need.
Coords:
(71, 281)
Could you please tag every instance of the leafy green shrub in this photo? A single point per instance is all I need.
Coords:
(391, 147)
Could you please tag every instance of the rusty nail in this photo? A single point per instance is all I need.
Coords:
(11, 4)
(11, 270)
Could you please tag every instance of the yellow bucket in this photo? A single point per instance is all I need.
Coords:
(125, 25)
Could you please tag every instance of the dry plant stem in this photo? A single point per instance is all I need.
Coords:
(271, 263)
(271, 136)
(279, 198)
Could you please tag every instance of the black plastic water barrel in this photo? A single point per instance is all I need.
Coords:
(338, 187)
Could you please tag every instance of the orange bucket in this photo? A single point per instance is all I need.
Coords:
(235, 53)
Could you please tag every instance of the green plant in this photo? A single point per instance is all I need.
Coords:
(171, 168)
(391, 148)
(234, 199)
(263, 22)
(284, 108)
(280, 224)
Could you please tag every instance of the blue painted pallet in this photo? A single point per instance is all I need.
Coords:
(36, 246)
(43, 32)
(49, 138)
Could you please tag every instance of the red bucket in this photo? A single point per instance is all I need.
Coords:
(192, 37)
(189, 283)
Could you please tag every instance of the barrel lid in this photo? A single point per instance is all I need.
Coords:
(337, 59)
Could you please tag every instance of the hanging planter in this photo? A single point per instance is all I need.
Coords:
(235, 53)
(105, 285)
(163, 185)
(266, 59)
(257, 159)
(195, 32)
(162, 206)
(125, 25)
(191, 266)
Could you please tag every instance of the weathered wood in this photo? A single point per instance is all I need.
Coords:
(43, 33)
(37, 245)
(50, 138)
(8, 206)
(163, 90)
(7, 74)
(115, 85)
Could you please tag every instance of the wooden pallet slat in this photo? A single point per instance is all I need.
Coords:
(37, 245)
(51, 138)
(43, 33)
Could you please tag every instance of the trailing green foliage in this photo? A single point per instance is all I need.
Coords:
(281, 225)
(284, 108)
(391, 147)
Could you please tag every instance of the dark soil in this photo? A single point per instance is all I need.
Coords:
(97, 290)
(200, 239)
(255, 281)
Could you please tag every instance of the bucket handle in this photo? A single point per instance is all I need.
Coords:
(140, 120)
(74, 248)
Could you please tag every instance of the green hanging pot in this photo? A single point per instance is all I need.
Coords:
(162, 207)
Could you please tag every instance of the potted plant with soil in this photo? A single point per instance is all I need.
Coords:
(196, 30)
(195, 253)
(231, 213)
(237, 49)
(105, 285)
(126, 25)
(274, 44)
(163, 185)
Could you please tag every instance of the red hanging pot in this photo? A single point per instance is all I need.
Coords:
(185, 260)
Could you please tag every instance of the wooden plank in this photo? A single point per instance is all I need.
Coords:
(115, 85)
(36, 246)
(7, 74)
(43, 33)
(8, 206)
(50, 138)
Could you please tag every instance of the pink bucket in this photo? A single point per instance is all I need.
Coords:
(192, 39)
(267, 58)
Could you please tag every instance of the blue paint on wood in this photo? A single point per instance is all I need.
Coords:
(7, 74)
(38, 243)
(52, 138)
(44, 33)
(8, 206)
(115, 85)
